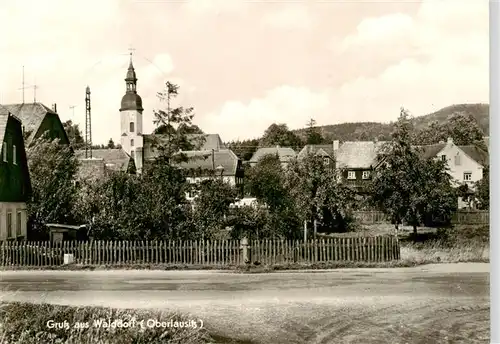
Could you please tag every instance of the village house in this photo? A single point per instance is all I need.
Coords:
(465, 163)
(36, 119)
(355, 161)
(15, 184)
(285, 155)
(324, 151)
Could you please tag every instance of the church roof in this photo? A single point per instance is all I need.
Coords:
(30, 114)
(131, 101)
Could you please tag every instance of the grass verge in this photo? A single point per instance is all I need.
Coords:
(26, 323)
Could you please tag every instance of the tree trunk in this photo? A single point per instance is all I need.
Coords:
(415, 229)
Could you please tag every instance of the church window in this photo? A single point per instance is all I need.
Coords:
(132, 143)
(14, 160)
(132, 127)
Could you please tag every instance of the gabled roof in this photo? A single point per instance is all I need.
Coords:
(30, 114)
(474, 152)
(203, 160)
(212, 141)
(316, 149)
(358, 154)
(114, 159)
(4, 118)
(285, 154)
(430, 151)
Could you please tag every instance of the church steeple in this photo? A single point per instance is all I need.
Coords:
(131, 100)
(131, 79)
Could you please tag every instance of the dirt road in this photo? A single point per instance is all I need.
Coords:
(432, 304)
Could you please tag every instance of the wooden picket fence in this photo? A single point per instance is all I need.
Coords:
(218, 252)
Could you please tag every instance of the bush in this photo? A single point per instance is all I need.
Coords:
(27, 324)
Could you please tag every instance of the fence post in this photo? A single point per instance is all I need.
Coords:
(245, 250)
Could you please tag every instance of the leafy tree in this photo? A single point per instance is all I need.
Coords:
(174, 125)
(313, 135)
(211, 207)
(74, 134)
(461, 127)
(483, 190)
(249, 221)
(109, 205)
(279, 134)
(111, 144)
(408, 187)
(317, 194)
(265, 181)
(244, 149)
(52, 170)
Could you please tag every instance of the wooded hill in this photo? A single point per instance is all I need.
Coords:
(373, 130)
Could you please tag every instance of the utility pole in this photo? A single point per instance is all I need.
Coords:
(88, 127)
(23, 87)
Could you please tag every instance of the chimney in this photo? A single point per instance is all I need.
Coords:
(336, 144)
(54, 107)
(450, 140)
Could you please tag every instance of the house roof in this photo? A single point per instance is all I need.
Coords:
(202, 159)
(4, 118)
(430, 151)
(316, 149)
(114, 159)
(285, 153)
(30, 114)
(357, 154)
(212, 141)
(474, 152)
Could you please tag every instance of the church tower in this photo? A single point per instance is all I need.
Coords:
(131, 119)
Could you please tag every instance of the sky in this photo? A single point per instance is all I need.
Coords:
(244, 65)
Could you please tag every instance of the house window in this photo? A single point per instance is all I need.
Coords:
(351, 175)
(4, 151)
(9, 225)
(366, 174)
(132, 127)
(18, 223)
(14, 158)
(326, 161)
(467, 176)
(443, 158)
(457, 160)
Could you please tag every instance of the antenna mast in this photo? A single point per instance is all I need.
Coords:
(88, 127)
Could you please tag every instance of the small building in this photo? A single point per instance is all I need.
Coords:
(465, 163)
(355, 161)
(324, 151)
(15, 184)
(206, 164)
(285, 155)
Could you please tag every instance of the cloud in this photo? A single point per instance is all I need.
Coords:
(290, 16)
(284, 104)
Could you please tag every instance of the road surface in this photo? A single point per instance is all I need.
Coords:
(446, 303)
